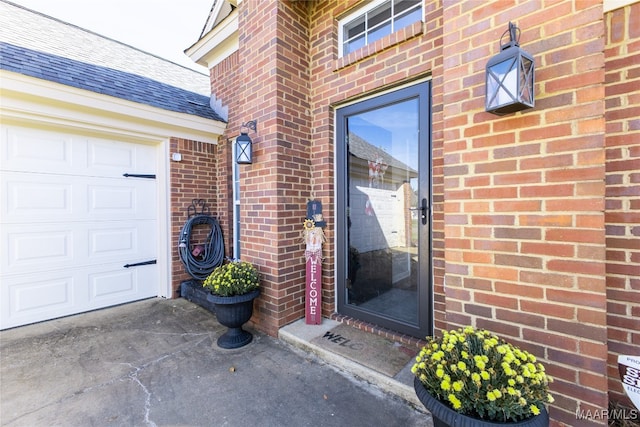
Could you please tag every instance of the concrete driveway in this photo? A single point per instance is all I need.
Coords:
(155, 363)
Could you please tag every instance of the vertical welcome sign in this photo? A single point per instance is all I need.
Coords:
(629, 368)
(314, 238)
(313, 302)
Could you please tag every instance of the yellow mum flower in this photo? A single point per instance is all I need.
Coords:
(534, 409)
(458, 385)
(475, 377)
(439, 372)
(445, 385)
(485, 375)
(462, 366)
(454, 401)
(491, 396)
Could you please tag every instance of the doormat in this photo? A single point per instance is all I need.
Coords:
(373, 351)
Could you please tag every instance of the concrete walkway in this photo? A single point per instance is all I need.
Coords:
(155, 363)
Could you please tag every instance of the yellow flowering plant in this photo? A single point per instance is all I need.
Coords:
(231, 278)
(482, 376)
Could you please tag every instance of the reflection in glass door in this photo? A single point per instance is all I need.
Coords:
(383, 206)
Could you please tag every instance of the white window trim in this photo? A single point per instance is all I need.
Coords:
(355, 14)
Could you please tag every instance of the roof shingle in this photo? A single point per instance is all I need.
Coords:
(104, 80)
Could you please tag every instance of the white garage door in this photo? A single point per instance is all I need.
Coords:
(70, 222)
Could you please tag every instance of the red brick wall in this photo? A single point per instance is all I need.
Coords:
(622, 216)
(410, 54)
(524, 193)
(519, 201)
(189, 179)
(271, 86)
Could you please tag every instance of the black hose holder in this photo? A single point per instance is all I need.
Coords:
(200, 259)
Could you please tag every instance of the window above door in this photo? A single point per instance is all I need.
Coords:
(376, 20)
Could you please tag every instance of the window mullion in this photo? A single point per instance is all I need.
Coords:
(366, 28)
(380, 6)
(393, 15)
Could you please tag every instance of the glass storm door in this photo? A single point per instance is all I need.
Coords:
(383, 210)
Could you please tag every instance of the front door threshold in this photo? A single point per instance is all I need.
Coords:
(372, 358)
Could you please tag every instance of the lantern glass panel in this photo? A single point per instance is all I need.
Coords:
(243, 150)
(502, 83)
(526, 81)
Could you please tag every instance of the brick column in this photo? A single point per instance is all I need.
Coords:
(273, 88)
(622, 214)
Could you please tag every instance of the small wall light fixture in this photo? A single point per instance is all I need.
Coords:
(244, 152)
(510, 77)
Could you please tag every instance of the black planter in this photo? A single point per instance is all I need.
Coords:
(193, 291)
(444, 416)
(233, 312)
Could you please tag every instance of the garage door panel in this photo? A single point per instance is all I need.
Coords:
(43, 247)
(50, 293)
(121, 199)
(70, 221)
(33, 248)
(121, 243)
(113, 158)
(109, 155)
(25, 195)
(32, 298)
(39, 151)
(33, 150)
(116, 285)
(108, 284)
(32, 197)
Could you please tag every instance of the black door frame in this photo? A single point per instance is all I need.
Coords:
(421, 91)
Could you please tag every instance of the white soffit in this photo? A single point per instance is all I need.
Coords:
(217, 44)
(28, 98)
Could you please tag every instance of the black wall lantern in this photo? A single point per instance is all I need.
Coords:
(510, 77)
(244, 152)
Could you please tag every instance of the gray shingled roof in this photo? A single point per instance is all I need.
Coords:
(20, 26)
(43, 47)
(104, 80)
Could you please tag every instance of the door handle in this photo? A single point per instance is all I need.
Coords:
(423, 208)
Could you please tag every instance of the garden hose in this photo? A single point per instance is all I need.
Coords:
(210, 254)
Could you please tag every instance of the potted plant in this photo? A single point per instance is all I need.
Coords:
(232, 288)
(470, 377)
